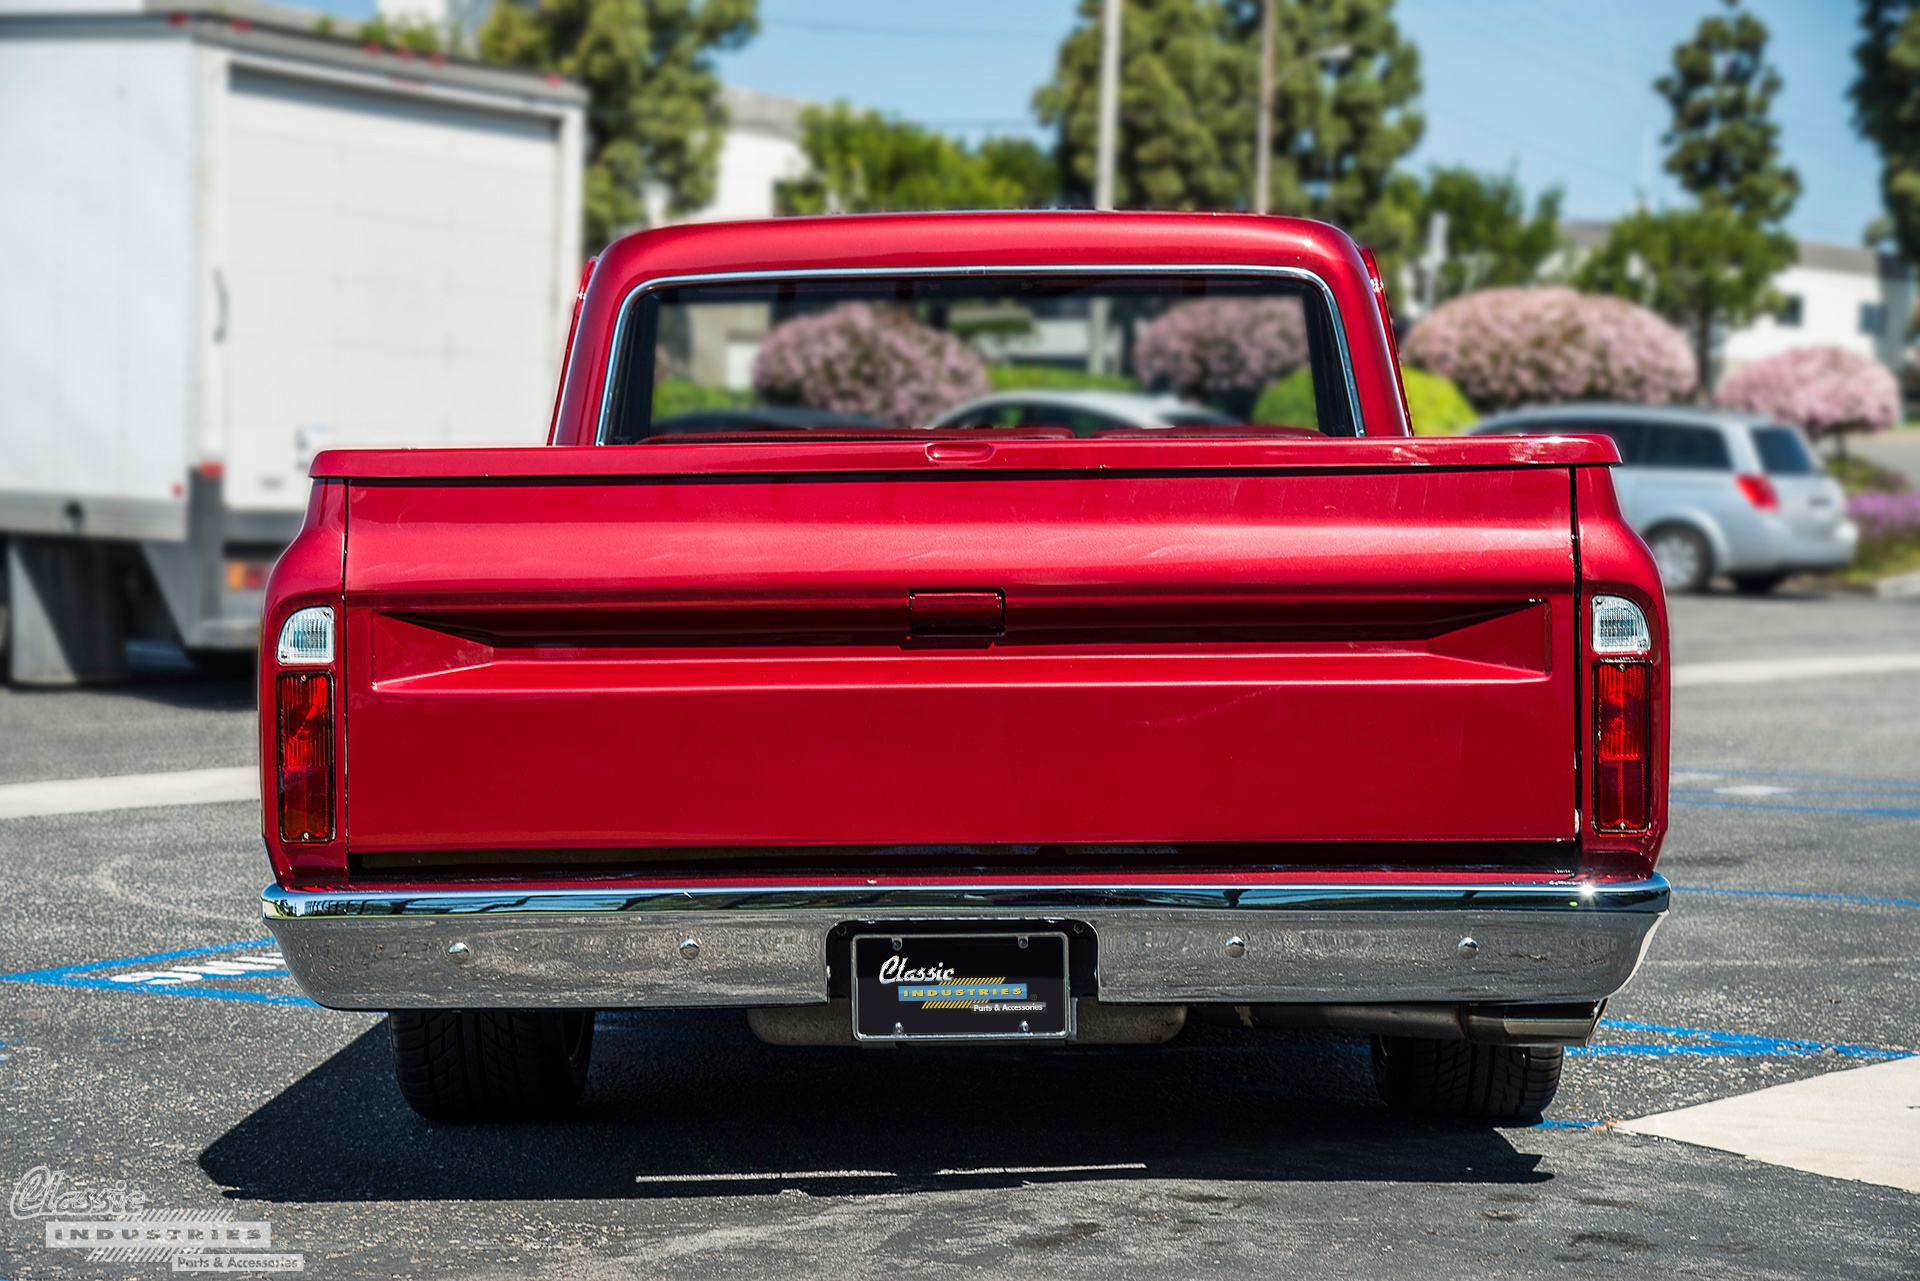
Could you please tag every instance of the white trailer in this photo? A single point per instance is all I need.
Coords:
(229, 239)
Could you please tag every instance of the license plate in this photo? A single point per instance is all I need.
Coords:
(960, 987)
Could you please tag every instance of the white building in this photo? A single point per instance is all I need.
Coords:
(1835, 296)
(761, 150)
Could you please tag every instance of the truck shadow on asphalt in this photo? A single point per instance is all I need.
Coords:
(689, 1105)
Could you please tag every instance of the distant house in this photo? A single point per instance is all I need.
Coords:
(761, 150)
(1836, 295)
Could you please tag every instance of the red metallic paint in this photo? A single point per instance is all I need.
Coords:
(1615, 562)
(798, 457)
(584, 743)
(708, 643)
(310, 572)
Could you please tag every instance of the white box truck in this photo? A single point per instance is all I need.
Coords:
(229, 239)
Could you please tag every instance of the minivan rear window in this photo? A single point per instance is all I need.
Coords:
(1671, 445)
(1783, 453)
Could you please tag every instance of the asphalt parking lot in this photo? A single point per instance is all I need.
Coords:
(1793, 951)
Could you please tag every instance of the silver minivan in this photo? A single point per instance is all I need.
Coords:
(1712, 492)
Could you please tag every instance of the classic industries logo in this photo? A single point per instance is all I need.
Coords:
(936, 985)
(113, 1223)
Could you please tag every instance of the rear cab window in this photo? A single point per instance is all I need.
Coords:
(857, 357)
(1783, 452)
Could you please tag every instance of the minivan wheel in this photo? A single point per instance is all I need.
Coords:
(1685, 560)
(1458, 1079)
(1757, 584)
(491, 1065)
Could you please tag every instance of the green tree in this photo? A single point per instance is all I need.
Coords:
(654, 113)
(1886, 100)
(1186, 107)
(1711, 266)
(1340, 125)
(1189, 81)
(1491, 238)
(864, 162)
(1723, 147)
(1701, 268)
(417, 35)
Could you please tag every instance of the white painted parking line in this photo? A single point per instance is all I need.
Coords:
(756, 1176)
(128, 791)
(1861, 1124)
(1767, 671)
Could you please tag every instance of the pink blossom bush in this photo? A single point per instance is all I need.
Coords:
(1214, 346)
(858, 359)
(1508, 347)
(1822, 390)
(1886, 518)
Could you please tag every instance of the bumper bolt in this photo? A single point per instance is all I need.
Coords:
(1467, 947)
(460, 952)
(689, 948)
(1236, 946)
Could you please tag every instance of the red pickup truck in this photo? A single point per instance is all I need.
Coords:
(1041, 728)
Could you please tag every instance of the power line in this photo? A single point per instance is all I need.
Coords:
(909, 33)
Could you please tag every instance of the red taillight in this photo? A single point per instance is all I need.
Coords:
(1623, 747)
(306, 756)
(1759, 492)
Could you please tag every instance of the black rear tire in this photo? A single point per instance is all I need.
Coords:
(1458, 1079)
(1757, 584)
(491, 1065)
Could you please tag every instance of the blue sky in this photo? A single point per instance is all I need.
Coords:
(1558, 91)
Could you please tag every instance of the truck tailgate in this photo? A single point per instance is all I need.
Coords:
(714, 662)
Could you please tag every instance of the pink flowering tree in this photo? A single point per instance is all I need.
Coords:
(1826, 391)
(860, 359)
(1222, 349)
(1507, 347)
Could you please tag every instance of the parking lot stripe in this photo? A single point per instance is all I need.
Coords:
(785, 1176)
(1802, 894)
(208, 982)
(1862, 1124)
(128, 791)
(1765, 671)
(1713, 1043)
(1870, 811)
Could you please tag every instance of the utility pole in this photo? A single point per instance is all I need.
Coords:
(1263, 127)
(1332, 56)
(1109, 139)
(1104, 159)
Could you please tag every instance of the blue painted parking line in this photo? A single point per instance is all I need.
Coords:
(1699, 1042)
(1895, 785)
(1869, 811)
(1801, 894)
(224, 972)
(1719, 787)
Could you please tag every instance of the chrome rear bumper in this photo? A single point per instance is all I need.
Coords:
(1565, 942)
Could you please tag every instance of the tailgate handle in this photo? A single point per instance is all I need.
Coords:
(956, 614)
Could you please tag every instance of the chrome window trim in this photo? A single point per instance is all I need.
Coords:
(1091, 269)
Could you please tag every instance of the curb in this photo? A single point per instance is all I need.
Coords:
(1898, 586)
